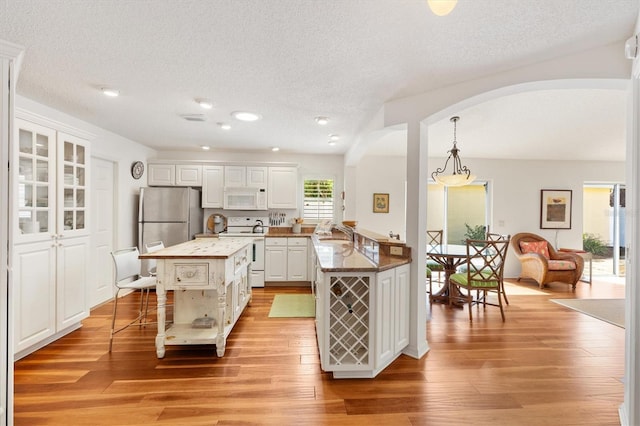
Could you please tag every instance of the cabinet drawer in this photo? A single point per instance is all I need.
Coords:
(240, 260)
(298, 241)
(275, 241)
(191, 274)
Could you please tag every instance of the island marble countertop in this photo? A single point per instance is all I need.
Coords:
(336, 255)
(202, 248)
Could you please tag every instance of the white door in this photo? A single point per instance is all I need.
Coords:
(102, 208)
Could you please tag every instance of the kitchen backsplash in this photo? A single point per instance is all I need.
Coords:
(276, 217)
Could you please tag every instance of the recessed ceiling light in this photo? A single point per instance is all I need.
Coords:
(332, 143)
(107, 91)
(205, 103)
(334, 137)
(322, 120)
(194, 117)
(245, 116)
(205, 147)
(275, 149)
(224, 126)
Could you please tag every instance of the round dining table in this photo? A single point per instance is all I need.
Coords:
(450, 256)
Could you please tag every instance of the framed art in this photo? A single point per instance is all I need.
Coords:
(380, 203)
(555, 208)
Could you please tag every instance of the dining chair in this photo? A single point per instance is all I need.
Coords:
(484, 273)
(152, 263)
(498, 237)
(434, 239)
(128, 277)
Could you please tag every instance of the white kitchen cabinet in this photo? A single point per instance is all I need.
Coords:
(392, 314)
(34, 293)
(362, 316)
(188, 175)
(297, 259)
(282, 190)
(286, 259)
(275, 259)
(161, 175)
(212, 186)
(51, 244)
(166, 174)
(245, 176)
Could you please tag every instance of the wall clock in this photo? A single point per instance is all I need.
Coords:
(137, 169)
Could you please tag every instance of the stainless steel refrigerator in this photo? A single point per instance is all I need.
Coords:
(170, 215)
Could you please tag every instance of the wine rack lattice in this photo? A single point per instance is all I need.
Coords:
(349, 320)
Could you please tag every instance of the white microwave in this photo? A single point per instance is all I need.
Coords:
(244, 198)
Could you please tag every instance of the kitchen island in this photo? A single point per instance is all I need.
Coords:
(362, 292)
(210, 281)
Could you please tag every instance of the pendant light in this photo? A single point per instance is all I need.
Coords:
(461, 175)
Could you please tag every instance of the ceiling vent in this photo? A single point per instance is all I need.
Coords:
(194, 117)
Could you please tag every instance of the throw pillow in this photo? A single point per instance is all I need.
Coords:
(539, 247)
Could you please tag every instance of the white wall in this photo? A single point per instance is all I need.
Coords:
(376, 174)
(515, 188)
(514, 194)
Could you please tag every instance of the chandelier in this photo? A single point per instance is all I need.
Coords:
(460, 175)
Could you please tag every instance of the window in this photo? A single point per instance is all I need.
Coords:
(318, 200)
(459, 211)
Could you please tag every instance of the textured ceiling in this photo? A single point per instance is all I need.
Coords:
(292, 60)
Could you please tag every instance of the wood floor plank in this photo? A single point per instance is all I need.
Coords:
(544, 363)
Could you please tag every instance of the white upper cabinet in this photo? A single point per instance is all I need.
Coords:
(161, 175)
(245, 176)
(257, 176)
(174, 175)
(36, 182)
(188, 175)
(52, 183)
(212, 186)
(73, 182)
(282, 191)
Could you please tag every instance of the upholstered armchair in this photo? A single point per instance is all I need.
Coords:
(542, 263)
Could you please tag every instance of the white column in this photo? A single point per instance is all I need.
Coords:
(10, 56)
(416, 225)
(630, 410)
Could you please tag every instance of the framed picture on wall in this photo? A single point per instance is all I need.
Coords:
(380, 203)
(555, 208)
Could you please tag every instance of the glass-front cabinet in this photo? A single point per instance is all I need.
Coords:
(51, 244)
(52, 183)
(72, 177)
(36, 190)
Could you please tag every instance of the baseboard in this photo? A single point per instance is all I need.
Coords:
(27, 351)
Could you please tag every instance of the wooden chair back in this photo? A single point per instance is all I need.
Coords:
(434, 237)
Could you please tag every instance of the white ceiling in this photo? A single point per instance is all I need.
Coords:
(293, 60)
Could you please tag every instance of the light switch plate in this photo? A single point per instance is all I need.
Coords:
(395, 251)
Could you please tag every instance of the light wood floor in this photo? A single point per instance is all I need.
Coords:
(546, 365)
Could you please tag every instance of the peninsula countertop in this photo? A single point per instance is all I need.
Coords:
(203, 248)
(336, 255)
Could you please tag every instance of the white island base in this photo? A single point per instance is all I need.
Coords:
(210, 281)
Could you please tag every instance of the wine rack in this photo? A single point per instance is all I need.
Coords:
(349, 330)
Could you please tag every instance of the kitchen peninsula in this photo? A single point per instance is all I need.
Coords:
(210, 281)
(362, 291)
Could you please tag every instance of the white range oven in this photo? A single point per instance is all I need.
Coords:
(245, 226)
